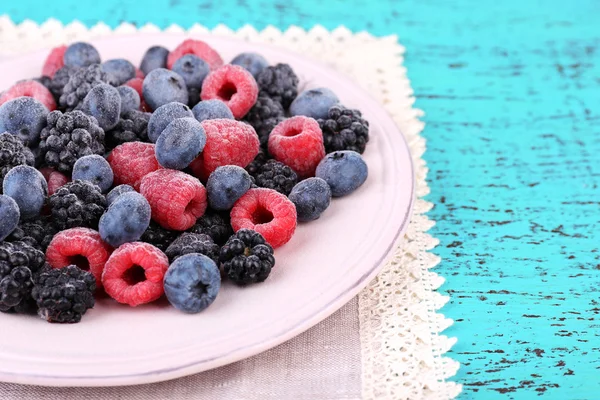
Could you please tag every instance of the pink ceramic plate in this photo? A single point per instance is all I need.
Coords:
(326, 263)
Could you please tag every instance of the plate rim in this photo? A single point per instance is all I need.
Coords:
(204, 364)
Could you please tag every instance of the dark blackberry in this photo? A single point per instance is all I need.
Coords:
(68, 137)
(193, 243)
(193, 97)
(13, 153)
(264, 116)
(277, 176)
(44, 80)
(81, 81)
(59, 81)
(38, 233)
(278, 82)
(64, 295)
(158, 236)
(214, 224)
(132, 127)
(78, 203)
(18, 263)
(261, 158)
(247, 257)
(344, 129)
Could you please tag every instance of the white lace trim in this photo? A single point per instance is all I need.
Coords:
(402, 345)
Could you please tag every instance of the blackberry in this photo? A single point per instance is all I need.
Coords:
(78, 203)
(247, 257)
(214, 224)
(344, 129)
(81, 81)
(277, 176)
(13, 153)
(68, 137)
(264, 116)
(64, 295)
(18, 263)
(193, 243)
(158, 236)
(261, 158)
(44, 80)
(59, 81)
(37, 233)
(132, 127)
(278, 82)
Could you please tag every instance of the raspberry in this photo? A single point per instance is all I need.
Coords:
(82, 247)
(176, 198)
(298, 143)
(134, 273)
(132, 161)
(228, 142)
(267, 212)
(137, 84)
(54, 61)
(198, 48)
(234, 86)
(54, 178)
(30, 89)
(139, 73)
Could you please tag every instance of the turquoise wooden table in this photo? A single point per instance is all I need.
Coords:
(511, 90)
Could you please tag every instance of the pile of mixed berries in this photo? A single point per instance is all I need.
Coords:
(163, 179)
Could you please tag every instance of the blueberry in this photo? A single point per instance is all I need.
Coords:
(95, 169)
(121, 69)
(163, 116)
(81, 55)
(226, 185)
(103, 102)
(162, 86)
(311, 197)
(344, 171)
(192, 69)
(126, 219)
(116, 192)
(155, 57)
(314, 103)
(27, 186)
(192, 282)
(211, 109)
(252, 62)
(9, 216)
(180, 143)
(24, 117)
(130, 99)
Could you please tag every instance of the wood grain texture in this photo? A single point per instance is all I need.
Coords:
(512, 95)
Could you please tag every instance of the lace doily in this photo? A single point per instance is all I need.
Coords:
(400, 328)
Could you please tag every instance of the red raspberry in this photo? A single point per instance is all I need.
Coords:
(298, 143)
(198, 48)
(234, 86)
(267, 212)
(54, 61)
(176, 198)
(132, 161)
(54, 178)
(137, 83)
(79, 246)
(134, 273)
(139, 74)
(30, 89)
(228, 142)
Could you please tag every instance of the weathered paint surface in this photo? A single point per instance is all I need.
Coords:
(512, 95)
